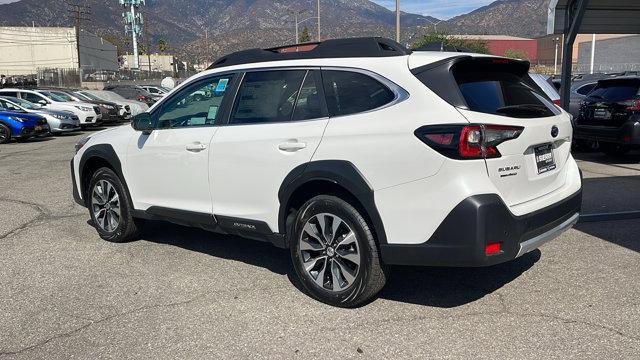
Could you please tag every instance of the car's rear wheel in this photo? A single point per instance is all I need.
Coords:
(110, 208)
(5, 134)
(612, 149)
(335, 254)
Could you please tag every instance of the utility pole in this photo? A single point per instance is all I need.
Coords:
(133, 20)
(296, 15)
(319, 34)
(146, 37)
(78, 12)
(398, 20)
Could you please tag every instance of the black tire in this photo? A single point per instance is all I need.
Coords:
(371, 274)
(128, 228)
(612, 149)
(5, 134)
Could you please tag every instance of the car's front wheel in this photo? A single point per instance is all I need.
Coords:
(5, 134)
(110, 208)
(335, 254)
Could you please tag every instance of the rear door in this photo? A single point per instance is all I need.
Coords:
(498, 92)
(611, 103)
(276, 124)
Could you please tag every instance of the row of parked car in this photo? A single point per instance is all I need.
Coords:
(606, 112)
(28, 113)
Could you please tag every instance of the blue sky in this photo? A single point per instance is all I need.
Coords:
(441, 9)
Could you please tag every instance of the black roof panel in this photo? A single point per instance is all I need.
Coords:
(336, 48)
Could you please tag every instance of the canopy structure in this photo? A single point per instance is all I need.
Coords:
(570, 17)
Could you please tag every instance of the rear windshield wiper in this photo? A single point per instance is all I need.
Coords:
(524, 109)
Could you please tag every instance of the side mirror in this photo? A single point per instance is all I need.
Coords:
(142, 122)
(43, 102)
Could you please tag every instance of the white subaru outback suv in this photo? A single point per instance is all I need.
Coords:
(355, 155)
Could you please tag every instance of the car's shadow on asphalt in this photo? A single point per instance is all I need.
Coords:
(437, 287)
(632, 157)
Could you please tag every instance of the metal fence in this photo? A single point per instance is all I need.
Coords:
(75, 78)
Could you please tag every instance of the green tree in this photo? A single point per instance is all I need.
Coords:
(305, 36)
(162, 46)
(476, 46)
(516, 54)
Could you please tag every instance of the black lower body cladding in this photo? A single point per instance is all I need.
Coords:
(477, 221)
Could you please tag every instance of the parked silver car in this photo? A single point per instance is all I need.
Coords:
(131, 106)
(59, 121)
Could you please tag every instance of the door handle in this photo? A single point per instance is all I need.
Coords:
(196, 147)
(292, 146)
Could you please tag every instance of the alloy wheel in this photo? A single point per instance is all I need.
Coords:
(105, 205)
(329, 252)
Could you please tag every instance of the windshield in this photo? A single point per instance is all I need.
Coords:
(63, 95)
(89, 96)
(53, 96)
(109, 95)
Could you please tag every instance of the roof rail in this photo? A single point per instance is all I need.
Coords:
(336, 48)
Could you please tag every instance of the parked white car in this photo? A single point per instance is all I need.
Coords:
(88, 114)
(131, 107)
(59, 121)
(354, 155)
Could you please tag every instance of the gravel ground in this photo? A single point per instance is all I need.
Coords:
(186, 293)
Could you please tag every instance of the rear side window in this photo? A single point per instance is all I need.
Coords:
(9, 94)
(267, 96)
(351, 93)
(620, 90)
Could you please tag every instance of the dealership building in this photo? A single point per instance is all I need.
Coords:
(25, 50)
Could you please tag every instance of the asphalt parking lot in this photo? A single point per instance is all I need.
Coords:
(185, 293)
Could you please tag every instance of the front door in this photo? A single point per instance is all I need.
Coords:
(276, 124)
(169, 167)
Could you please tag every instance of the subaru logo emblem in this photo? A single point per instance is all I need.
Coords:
(555, 131)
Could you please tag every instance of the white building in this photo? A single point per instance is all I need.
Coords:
(159, 62)
(24, 50)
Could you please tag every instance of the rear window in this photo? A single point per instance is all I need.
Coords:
(616, 90)
(488, 85)
(503, 93)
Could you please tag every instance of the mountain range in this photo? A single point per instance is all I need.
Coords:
(205, 29)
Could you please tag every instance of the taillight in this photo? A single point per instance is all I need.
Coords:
(632, 105)
(141, 98)
(468, 141)
(557, 102)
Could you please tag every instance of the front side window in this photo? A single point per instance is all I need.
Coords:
(196, 105)
(351, 93)
(8, 106)
(267, 97)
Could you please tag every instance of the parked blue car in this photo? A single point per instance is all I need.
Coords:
(21, 126)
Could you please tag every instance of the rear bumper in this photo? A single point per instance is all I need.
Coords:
(482, 219)
(628, 133)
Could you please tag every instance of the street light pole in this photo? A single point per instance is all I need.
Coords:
(555, 62)
(319, 34)
(593, 52)
(398, 20)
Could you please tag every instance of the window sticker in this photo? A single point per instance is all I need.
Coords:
(213, 111)
(222, 85)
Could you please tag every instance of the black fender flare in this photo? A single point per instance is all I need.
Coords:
(340, 172)
(104, 152)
